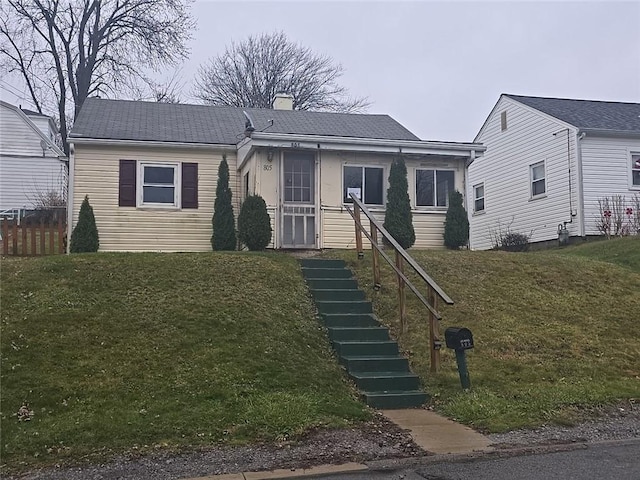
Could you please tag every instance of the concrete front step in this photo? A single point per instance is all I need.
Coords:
(322, 263)
(395, 399)
(341, 295)
(382, 381)
(362, 334)
(349, 320)
(330, 306)
(359, 348)
(332, 283)
(375, 363)
(326, 272)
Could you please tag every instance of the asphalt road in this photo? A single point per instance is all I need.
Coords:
(611, 461)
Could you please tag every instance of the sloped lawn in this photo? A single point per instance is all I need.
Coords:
(556, 332)
(115, 352)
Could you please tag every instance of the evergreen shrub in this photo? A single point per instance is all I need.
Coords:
(397, 219)
(456, 226)
(223, 222)
(84, 237)
(254, 224)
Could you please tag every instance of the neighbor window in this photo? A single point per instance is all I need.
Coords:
(635, 169)
(478, 198)
(159, 184)
(433, 187)
(538, 183)
(365, 182)
(503, 121)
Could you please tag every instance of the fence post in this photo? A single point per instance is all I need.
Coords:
(23, 226)
(52, 234)
(5, 237)
(33, 247)
(356, 213)
(376, 257)
(43, 249)
(434, 334)
(15, 238)
(401, 293)
(60, 236)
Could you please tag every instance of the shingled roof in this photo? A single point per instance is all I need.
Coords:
(170, 122)
(588, 114)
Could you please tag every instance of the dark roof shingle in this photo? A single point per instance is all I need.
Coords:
(588, 114)
(167, 122)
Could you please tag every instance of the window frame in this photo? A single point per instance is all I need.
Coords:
(633, 169)
(435, 187)
(476, 198)
(346, 201)
(532, 166)
(177, 185)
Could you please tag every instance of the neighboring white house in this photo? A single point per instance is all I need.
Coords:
(548, 163)
(150, 172)
(30, 161)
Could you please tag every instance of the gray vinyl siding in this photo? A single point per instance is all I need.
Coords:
(606, 171)
(24, 169)
(504, 170)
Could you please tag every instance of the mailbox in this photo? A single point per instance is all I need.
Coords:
(458, 338)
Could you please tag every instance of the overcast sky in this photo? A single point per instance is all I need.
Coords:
(439, 67)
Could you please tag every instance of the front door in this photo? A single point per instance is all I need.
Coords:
(298, 210)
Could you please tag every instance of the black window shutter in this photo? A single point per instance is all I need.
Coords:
(189, 185)
(127, 188)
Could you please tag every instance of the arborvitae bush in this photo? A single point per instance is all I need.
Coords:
(397, 219)
(456, 226)
(254, 224)
(224, 228)
(84, 237)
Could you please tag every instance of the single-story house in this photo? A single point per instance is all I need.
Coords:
(150, 171)
(549, 165)
(31, 164)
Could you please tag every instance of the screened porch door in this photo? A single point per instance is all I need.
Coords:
(298, 211)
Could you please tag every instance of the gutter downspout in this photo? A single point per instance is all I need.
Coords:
(583, 229)
(468, 193)
(70, 185)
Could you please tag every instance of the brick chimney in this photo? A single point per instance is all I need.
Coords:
(283, 101)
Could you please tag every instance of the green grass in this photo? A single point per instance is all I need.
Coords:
(556, 332)
(624, 251)
(135, 352)
(115, 352)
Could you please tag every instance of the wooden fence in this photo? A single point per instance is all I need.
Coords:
(30, 238)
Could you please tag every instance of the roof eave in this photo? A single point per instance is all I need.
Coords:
(79, 140)
(602, 132)
(374, 145)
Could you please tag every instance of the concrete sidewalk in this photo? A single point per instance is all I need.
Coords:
(432, 432)
(437, 434)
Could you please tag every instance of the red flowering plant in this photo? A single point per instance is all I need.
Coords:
(616, 218)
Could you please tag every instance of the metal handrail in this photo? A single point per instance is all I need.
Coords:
(401, 257)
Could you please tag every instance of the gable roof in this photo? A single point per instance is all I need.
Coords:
(205, 124)
(599, 116)
(43, 138)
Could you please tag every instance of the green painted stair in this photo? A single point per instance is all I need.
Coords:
(362, 344)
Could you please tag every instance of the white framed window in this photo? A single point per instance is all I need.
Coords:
(538, 179)
(367, 183)
(158, 185)
(635, 169)
(478, 198)
(433, 187)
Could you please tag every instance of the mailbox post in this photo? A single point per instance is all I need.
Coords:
(460, 340)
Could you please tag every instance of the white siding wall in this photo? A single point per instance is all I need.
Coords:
(606, 171)
(504, 170)
(23, 168)
(96, 174)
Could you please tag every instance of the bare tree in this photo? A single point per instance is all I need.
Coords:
(67, 50)
(250, 73)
